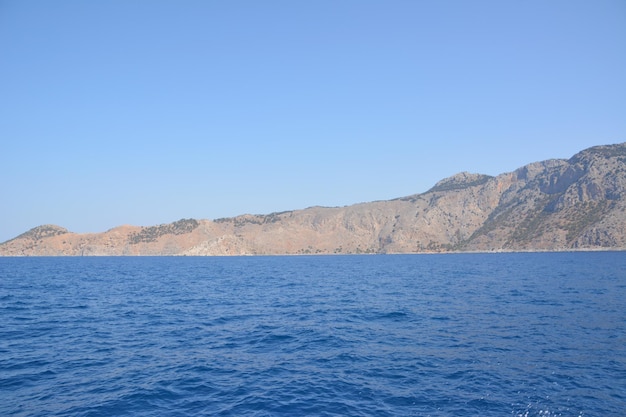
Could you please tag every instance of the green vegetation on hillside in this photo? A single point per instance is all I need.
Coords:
(152, 233)
(460, 185)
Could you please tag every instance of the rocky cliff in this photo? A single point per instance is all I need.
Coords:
(575, 204)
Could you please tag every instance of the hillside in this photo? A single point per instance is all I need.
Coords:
(575, 204)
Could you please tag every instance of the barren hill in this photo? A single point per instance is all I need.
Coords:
(575, 204)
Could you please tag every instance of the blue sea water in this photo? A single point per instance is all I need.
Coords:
(534, 334)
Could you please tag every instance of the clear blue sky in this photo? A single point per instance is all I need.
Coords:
(144, 112)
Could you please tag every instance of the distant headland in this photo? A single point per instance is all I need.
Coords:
(553, 205)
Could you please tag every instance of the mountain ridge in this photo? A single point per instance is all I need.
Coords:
(553, 205)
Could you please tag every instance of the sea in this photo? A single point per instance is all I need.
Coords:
(502, 334)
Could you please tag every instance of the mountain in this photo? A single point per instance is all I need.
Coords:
(553, 205)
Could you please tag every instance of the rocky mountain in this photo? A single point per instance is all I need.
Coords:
(575, 204)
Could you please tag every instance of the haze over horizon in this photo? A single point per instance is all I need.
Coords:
(146, 112)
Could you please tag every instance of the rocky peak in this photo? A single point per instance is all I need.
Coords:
(591, 155)
(533, 170)
(43, 231)
(460, 181)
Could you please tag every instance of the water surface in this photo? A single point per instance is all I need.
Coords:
(387, 335)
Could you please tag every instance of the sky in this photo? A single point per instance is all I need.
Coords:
(144, 112)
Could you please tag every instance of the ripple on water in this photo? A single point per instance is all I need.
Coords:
(491, 335)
